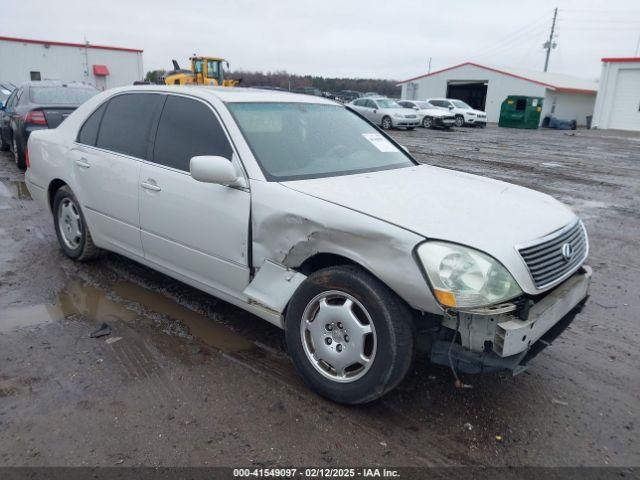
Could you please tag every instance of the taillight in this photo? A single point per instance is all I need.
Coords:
(26, 158)
(35, 117)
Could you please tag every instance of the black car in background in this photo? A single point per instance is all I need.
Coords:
(38, 105)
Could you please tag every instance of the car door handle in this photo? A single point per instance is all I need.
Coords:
(82, 163)
(150, 186)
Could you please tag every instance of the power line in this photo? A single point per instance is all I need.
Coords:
(512, 35)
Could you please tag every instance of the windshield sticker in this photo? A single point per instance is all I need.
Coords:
(380, 142)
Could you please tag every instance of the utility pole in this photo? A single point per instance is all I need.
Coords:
(429, 66)
(549, 44)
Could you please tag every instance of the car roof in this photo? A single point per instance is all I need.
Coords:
(232, 94)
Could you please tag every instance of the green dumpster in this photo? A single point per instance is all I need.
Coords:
(520, 112)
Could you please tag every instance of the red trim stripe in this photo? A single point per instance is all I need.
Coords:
(66, 44)
(621, 59)
(548, 85)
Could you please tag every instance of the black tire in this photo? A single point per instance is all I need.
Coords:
(85, 249)
(386, 123)
(393, 325)
(427, 122)
(459, 121)
(18, 153)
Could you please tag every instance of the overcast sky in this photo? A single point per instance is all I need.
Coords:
(351, 38)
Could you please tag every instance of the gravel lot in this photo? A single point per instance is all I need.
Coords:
(196, 381)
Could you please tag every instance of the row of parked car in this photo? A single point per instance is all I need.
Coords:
(409, 114)
(34, 106)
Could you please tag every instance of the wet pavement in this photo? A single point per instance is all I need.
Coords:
(186, 379)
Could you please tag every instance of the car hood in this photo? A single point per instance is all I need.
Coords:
(437, 203)
(435, 112)
(402, 111)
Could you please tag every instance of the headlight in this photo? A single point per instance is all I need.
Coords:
(466, 278)
(471, 114)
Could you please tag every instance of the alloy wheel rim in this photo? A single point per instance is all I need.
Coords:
(459, 121)
(70, 223)
(338, 336)
(426, 122)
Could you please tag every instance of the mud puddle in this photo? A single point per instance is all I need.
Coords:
(200, 326)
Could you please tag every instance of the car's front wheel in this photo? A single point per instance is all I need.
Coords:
(71, 227)
(459, 121)
(386, 123)
(427, 122)
(351, 338)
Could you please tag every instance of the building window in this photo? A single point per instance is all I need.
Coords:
(35, 76)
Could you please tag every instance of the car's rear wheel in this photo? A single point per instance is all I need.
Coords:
(459, 121)
(18, 154)
(427, 122)
(71, 227)
(386, 123)
(350, 337)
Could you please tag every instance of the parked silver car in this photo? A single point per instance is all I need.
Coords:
(385, 112)
(430, 116)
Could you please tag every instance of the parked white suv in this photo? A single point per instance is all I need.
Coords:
(430, 116)
(295, 209)
(385, 112)
(464, 114)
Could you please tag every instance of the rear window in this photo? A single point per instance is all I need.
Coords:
(126, 123)
(60, 95)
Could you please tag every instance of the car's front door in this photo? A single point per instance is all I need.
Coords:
(107, 156)
(375, 115)
(197, 230)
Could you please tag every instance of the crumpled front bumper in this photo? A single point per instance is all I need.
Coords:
(510, 341)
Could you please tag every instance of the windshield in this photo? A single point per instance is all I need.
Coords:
(384, 103)
(460, 104)
(61, 95)
(294, 141)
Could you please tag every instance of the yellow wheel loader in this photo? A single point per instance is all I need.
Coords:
(204, 71)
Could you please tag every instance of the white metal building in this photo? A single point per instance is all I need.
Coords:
(618, 102)
(23, 59)
(484, 87)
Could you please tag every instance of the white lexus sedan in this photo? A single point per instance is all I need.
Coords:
(300, 211)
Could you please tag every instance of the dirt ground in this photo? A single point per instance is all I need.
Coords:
(185, 379)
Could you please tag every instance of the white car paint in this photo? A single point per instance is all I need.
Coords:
(471, 116)
(217, 236)
(441, 117)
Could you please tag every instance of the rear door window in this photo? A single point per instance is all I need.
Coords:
(126, 124)
(89, 131)
(188, 128)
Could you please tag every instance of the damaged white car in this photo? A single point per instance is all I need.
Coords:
(300, 211)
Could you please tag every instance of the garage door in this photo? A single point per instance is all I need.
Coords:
(625, 112)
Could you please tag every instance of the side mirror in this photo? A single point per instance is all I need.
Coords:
(450, 107)
(415, 108)
(214, 169)
(405, 148)
(1, 105)
(375, 110)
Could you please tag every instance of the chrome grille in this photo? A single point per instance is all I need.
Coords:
(545, 259)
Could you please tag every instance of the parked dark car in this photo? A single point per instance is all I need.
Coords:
(346, 96)
(36, 106)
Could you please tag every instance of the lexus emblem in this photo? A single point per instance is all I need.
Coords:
(567, 251)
